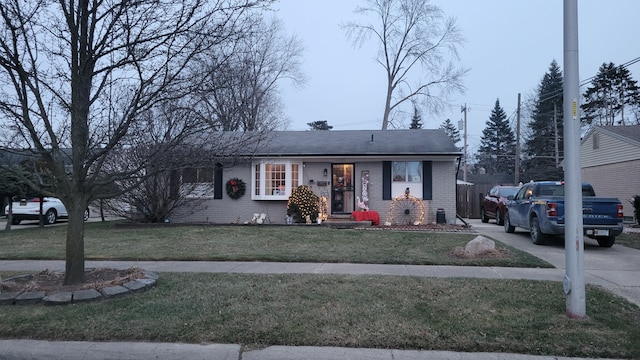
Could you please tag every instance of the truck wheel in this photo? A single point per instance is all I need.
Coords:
(50, 217)
(507, 224)
(606, 241)
(85, 215)
(483, 216)
(537, 237)
(15, 221)
(499, 217)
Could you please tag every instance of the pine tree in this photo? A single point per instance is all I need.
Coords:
(416, 120)
(612, 99)
(451, 131)
(544, 148)
(320, 125)
(498, 144)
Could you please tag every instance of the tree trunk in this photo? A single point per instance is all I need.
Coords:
(74, 271)
(387, 107)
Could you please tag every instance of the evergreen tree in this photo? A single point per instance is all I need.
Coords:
(451, 131)
(544, 148)
(612, 99)
(320, 125)
(416, 120)
(498, 144)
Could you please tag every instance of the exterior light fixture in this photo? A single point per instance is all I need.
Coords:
(324, 172)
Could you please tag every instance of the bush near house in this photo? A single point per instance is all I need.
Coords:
(635, 201)
(303, 202)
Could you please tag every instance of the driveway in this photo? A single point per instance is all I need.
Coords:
(616, 268)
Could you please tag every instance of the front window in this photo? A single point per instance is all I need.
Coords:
(407, 171)
(406, 175)
(197, 182)
(274, 180)
(198, 175)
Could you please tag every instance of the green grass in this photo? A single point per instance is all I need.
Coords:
(470, 315)
(631, 240)
(254, 243)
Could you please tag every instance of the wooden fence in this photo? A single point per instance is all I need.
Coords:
(469, 198)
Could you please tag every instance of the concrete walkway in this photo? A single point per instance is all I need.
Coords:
(79, 350)
(616, 269)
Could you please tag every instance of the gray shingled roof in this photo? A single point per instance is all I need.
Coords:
(357, 143)
(630, 132)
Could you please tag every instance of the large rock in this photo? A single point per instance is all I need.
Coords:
(479, 246)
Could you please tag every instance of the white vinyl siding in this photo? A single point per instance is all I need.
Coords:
(609, 150)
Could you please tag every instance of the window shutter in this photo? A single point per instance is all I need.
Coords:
(217, 182)
(386, 180)
(427, 180)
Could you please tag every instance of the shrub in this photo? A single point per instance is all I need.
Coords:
(635, 201)
(302, 202)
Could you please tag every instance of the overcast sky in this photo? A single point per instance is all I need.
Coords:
(508, 47)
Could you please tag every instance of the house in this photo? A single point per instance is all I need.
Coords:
(610, 161)
(344, 168)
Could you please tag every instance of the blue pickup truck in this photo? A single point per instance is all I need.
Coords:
(539, 208)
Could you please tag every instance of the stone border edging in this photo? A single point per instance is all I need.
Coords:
(149, 280)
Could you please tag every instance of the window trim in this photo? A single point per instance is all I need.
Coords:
(289, 164)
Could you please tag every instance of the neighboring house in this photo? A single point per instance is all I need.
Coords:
(372, 166)
(610, 161)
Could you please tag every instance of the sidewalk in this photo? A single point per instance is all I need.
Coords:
(65, 350)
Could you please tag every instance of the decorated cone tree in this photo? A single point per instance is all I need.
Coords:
(303, 202)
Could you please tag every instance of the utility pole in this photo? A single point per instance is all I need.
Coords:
(517, 177)
(573, 283)
(463, 109)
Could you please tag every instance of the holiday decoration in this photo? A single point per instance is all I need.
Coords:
(235, 188)
(406, 210)
(302, 203)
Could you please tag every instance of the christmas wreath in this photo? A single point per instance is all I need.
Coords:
(235, 188)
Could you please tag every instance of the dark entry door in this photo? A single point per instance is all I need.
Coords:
(342, 190)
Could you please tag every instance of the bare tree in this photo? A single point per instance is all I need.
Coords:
(417, 47)
(241, 91)
(183, 176)
(79, 74)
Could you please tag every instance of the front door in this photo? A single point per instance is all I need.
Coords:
(342, 189)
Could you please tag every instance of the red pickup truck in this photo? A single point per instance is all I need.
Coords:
(495, 202)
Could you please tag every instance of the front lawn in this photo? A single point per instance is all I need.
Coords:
(107, 241)
(469, 315)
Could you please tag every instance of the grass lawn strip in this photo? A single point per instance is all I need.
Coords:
(631, 240)
(104, 241)
(470, 315)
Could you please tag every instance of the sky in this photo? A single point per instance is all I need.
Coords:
(508, 48)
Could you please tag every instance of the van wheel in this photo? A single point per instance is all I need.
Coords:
(483, 216)
(507, 224)
(85, 215)
(537, 237)
(606, 241)
(15, 221)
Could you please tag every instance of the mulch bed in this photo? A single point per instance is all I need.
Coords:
(52, 281)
